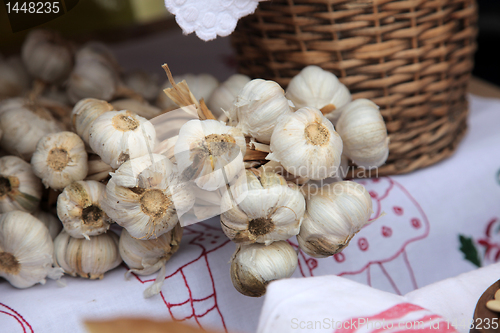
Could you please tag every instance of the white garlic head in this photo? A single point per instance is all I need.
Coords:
(335, 213)
(87, 258)
(270, 210)
(254, 266)
(141, 108)
(257, 108)
(201, 86)
(145, 84)
(223, 96)
(145, 197)
(23, 124)
(79, 209)
(85, 112)
(47, 56)
(315, 87)
(364, 133)
(50, 221)
(26, 250)
(20, 189)
(145, 257)
(117, 136)
(210, 153)
(306, 145)
(14, 80)
(60, 159)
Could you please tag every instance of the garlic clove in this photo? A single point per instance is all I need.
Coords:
(60, 159)
(224, 95)
(364, 134)
(50, 221)
(254, 266)
(201, 86)
(85, 112)
(26, 250)
(87, 258)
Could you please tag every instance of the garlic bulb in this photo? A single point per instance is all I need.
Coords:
(60, 159)
(26, 250)
(145, 197)
(223, 96)
(254, 266)
(95, 74)
(201, 86)
(257, 108)
(23, 124)
(144, 257)
(47, 56)
(50, 221)
(143, 83)
(315, 87)
(117, 136)
(364, 134)
(306, 144)
(270, 210)
(335, 213)
(20, 189)
(85, 112)
(14, 80)
(210, 153)
(141, 108)
(87, 258)
(79, 209)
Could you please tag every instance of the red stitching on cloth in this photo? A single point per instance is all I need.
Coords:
(22, 321)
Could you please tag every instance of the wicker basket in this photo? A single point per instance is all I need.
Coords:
(411, 57)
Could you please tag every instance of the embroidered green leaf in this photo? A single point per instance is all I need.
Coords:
(468, 248)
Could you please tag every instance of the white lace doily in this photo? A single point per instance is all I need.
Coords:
(209, 18)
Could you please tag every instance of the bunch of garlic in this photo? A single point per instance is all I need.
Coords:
(144, 257)
(201, 86)
(223, 96)
(26, 250)
(20, 189)
(14, 80)
(254, 266)
(261, 208)
(335, 213)
(47, 56)
(87, 258)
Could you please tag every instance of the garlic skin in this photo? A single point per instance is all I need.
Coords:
(87, 258)
(20, 189)
(141, 108)
(60, 159)
(145, 84)
(257, 108)
(254, 266)
(315, 87)
(117, 136)
(23, 124)
(85, 112)
(14, 79)
(145, 197)
(201, 86)
(47, 56)
(364, 134)
(26, 250)
(79, 209)
(144, 257)
(269, 209)
(335, 213)
(50, 221)
(306, 144)
(224, 95)
(209, 152)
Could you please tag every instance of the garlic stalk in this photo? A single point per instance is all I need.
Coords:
(50, 221)
(254, 266)
(26, 250)
(47, 56)
(85, 112)
(224, 95)
(79, 209)
(306, 144)
(14, 80)
(97, 169)
(20, 189)
(117, 136)
(60, 159)
(364, 134)
(201, 86)
(145, 197)
(144, 257)
(335, 213)
(261, 208)
(87, 258)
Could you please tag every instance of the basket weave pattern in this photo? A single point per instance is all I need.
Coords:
(413, 58)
